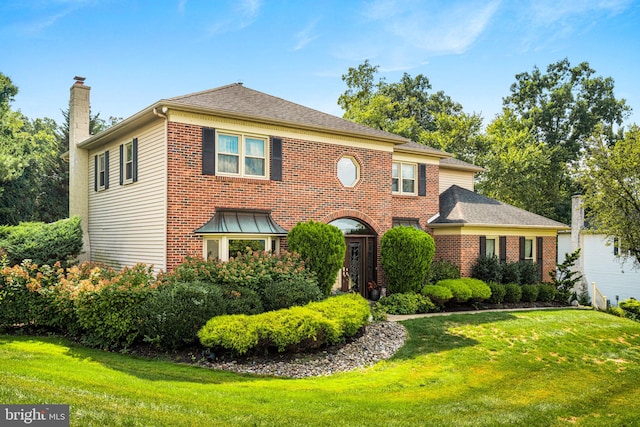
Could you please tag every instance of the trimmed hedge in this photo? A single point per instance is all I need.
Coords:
(530, 293)
(323, 247)
(546, 292)
(631, 308)
(460, 290)
(513, 293)
(406, 254)
(407, 303)
(293, 329)
(498, 292)
(480, 291)
(440, 295)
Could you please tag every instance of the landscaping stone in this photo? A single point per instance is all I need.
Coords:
(378, 341)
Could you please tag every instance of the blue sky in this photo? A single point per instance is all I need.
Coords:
(136, 52)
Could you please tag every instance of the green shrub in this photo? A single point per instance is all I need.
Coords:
(406, 255)
(530, 293)
(510, 272)
(20, 301)
(111, 313)
(546, 292)
(237, 332)
(528, 273)
(241, 300)
(284, 293)
(42, 243)
(440, 295)
(487, 269)
(351, 311)
(461, 292)
(442, 269)
(498, 292)
(175, 312)
(292, 329)
(407, 303)
(513, 293)
(631, 308)
(616, 311)
(480, 291)
(323, 247)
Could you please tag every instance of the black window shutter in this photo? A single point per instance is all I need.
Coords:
(503, 248)
(106, 170)
(276, 159)
(521, 248)
(483, 245)
(208, 151)
(135, 159)
(121, 164)
(422, 179)
(95, 173)
(540, 251)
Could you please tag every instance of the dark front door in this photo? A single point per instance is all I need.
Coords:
(360, 264)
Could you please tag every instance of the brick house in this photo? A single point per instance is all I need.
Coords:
(204, 174)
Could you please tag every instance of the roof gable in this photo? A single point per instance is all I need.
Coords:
(236, 99)
(465, 207)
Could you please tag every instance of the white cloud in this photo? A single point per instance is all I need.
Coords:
(306, 35)
(243, 14)
(182, 4)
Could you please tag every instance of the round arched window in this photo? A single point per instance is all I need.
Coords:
(348, 171)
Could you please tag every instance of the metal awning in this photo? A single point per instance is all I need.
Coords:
(406, 222)
(233, 221)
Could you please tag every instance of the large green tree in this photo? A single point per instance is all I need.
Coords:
(611, 180)
(558, 111)
(409, 109)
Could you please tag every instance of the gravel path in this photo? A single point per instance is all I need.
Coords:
(379, 341)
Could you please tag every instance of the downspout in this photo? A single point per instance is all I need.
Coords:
(163, 115)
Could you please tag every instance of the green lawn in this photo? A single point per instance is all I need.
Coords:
(540, 368)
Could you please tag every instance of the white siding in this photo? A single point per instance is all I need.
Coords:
(449, 177)
(612, 275)
(128, 222)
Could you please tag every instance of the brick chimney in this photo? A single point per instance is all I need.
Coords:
(79, 111)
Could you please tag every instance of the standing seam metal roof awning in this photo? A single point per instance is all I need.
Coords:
(226, 221)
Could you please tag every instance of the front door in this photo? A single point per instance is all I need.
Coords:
(360, 264)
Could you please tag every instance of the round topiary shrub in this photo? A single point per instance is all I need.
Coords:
(407, 303)
(513, 293)
(546, 292)
(498, 292)
(529, 293)
(440, 295)
(480, 291)
(406, 255)
(323, 248)
(461, 292)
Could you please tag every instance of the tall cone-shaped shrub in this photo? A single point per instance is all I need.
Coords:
(406, 254)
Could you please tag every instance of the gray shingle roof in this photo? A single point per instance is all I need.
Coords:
(454, 163)
(462, 206)
(415, 147)
(236, 99)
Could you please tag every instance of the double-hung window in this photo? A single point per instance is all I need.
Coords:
(241, 155)
(101, 171)
(403, 178)
(128, 161)
(528, 250)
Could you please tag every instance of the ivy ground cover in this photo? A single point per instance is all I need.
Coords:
(540, 368)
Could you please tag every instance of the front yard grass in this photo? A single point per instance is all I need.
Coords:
(539, 368)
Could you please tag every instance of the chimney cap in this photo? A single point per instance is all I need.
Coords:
(79, 80)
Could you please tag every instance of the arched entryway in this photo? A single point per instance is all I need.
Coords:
(361, 256)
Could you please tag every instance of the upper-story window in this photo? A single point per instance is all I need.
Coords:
(348, 171)
(404, 178)
(101, 172)
(129, 162)
(241, 155)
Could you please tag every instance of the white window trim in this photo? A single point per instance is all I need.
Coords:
(242, 154)
(356, 164)
(102, 168)
(223, 239)
(496, 248)
(415, 179)
(533, 249)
